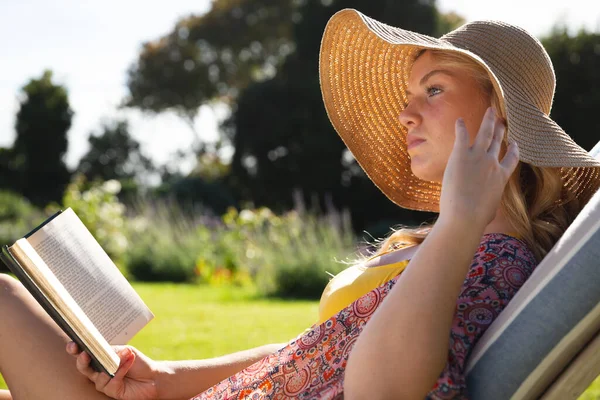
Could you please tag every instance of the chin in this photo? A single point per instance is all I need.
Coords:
(426, 173)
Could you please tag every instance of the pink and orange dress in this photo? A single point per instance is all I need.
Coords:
(312, 365)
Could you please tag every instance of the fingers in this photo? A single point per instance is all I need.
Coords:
(101, 381)
(461, 141)
(486, 130)
(511, 158)
(83, 366)
(82, 360)
(490, 135)
(108, 385)
(489, 139)
(497, 137)
(72, 348)
(127, 360)
(82, 363)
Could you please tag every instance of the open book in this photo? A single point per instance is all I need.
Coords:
(71, 276)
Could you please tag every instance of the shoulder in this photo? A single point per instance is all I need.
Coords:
(500, 266)
(503, 247)
(503, 262)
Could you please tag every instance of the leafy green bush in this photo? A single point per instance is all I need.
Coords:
(293, 255)
(17, 217)
(165, 244)
(14, 207)
(98, 206)
(156, 259)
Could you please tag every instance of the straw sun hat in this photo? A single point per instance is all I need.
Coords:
(364, 67)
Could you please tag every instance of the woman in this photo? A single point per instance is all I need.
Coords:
(427, 120)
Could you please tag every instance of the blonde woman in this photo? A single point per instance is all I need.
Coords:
(458, 125)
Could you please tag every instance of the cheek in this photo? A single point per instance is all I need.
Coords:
(444, 142)
(473, 121)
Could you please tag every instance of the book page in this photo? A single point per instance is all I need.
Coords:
(91, 278)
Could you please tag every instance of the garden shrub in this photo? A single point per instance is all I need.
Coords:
(292, 255)
(17, 217)
(98, 207)
(157, 259)
(166, 243)
(14, 207)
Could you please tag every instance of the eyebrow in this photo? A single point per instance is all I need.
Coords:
(429, 75)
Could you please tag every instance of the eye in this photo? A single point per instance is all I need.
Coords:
(433, 90)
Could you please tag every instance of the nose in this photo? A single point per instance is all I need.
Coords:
(410, 117)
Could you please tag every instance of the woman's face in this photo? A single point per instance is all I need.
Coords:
(439, 95)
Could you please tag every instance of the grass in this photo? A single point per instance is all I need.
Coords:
(593, 392)
(195, 322)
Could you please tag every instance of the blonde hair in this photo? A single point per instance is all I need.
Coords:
(535, 200)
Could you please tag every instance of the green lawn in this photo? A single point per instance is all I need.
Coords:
(194, 322)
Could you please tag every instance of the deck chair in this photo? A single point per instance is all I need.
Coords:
(546, 343)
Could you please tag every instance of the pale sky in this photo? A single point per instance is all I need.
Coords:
(90, 44)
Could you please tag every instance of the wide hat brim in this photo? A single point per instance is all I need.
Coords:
(364, 67)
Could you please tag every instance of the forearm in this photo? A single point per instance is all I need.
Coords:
(404, 346)
(185, 379)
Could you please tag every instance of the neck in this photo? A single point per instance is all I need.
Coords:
(500, 224)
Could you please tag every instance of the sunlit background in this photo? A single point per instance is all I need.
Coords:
(191, 138)
(89, 45)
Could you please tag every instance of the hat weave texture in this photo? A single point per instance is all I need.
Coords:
(364, 69)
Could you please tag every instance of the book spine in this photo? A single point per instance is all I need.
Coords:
(28, 283)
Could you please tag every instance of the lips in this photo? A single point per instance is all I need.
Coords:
(413, 141)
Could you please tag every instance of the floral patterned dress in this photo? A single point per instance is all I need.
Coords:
(312, 365)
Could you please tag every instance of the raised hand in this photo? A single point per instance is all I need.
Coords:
(135, 378)
(475, 177)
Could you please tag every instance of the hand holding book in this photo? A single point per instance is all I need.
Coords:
(136, 378)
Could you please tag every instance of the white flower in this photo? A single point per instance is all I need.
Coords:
(246, 216)
(112, 186)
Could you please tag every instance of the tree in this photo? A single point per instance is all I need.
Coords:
(42, 122)
(8, 170)
(211, 56)
(114, 154)
(576, 62)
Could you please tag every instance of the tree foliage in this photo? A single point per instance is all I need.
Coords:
(42, 122)
(211, 55)
(114, 154)
(576, 62)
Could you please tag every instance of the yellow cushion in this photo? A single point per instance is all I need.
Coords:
(356, 281)
(352, 283)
